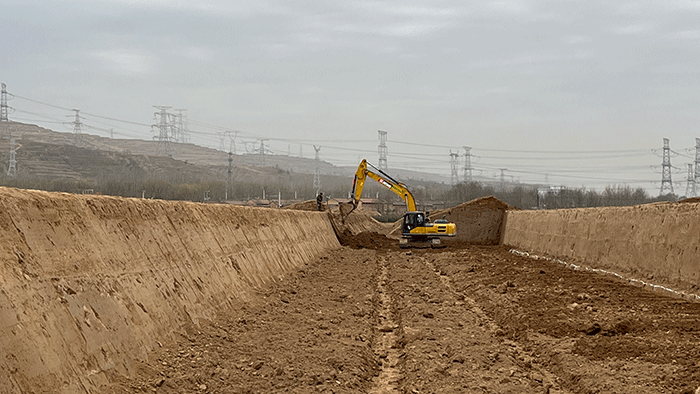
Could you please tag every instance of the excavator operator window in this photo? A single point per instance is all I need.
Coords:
(409, 222)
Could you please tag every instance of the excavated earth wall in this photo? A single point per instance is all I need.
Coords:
(90, 284)
(658, 241)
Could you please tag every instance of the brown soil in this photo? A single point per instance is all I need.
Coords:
(368, 240)
(308, 205)
(466, 319)
(478, 221)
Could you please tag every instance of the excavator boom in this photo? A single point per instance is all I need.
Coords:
(365, 170)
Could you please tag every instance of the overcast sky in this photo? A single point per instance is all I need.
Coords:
(574, 93)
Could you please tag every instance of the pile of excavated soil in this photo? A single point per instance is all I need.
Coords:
(377, 241)
(367, 240)
(479, 221)
(690, 200)
(309, 205)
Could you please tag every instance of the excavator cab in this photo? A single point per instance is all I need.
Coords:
(412, 220)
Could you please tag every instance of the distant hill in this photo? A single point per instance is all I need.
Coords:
(49, 155)
(31, 136)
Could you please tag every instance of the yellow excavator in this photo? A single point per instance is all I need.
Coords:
(416, 226)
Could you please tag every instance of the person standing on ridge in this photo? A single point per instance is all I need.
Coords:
(319, 201)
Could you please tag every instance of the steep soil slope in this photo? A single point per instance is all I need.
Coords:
(89, 284)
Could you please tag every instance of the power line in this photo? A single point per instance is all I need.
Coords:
(118, 120)
(520, 151)
(42, 103)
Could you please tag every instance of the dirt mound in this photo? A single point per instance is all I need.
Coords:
(359, 221)
(309, 205)
(367, 240)
(690, 200)
(478, 221)
(483, 203)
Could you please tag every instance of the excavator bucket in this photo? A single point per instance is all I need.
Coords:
(345, 210)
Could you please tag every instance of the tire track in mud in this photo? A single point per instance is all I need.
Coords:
(385, 343)
(538, 375)
(583, 331)
(471, 303)
(447, 343)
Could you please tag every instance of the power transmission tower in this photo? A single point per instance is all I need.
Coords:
(222, 140)
(503, 177)
(164, 128)
(230, 171)
(690, 187)
(3, 104)
(12, 168)
(383, 150)
(232, 142)
(182, 126)
(77, 126)
(226, 135)
(317, 173)
(697, 161)
(262, 151)
(454, 158)
(467, 164)
(666, 182)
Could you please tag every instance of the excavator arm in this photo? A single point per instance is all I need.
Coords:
(365, 170)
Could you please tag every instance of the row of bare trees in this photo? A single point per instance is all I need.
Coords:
(168, 188)
(532, 197)
(163, 189)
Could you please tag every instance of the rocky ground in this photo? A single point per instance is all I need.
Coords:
(373, 318)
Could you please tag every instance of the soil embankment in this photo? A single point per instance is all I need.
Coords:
(479, 221)
(657, 242)
(90, 284)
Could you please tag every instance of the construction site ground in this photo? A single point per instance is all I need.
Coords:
(372, 318)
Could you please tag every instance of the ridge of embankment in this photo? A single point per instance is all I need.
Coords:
(659, 241)
(90, 284)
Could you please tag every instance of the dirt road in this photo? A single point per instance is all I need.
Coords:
(372, 318)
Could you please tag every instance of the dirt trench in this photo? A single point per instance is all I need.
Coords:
(467, 319)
